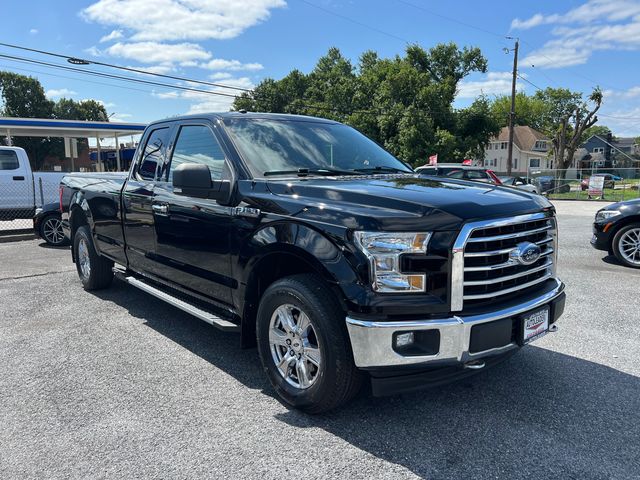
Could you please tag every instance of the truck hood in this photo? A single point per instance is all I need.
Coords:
(400, 202)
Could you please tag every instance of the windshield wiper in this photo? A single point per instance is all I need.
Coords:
(303, 172)
(381, 169)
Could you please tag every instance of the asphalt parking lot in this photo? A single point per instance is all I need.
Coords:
(117, 384)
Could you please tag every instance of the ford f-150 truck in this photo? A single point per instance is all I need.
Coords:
(338, 261)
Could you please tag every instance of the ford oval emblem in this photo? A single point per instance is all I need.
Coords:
(525, 253)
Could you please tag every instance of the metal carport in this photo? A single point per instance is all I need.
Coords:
(43, 127)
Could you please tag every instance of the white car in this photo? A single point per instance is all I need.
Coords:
(21, 190)
(520, 183)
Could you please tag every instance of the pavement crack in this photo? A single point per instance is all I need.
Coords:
(19, 277)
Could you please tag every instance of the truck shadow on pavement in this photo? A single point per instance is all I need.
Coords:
(540, 414)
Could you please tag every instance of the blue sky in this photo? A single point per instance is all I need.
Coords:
(574, 44)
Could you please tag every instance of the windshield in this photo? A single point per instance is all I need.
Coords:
(287, 146)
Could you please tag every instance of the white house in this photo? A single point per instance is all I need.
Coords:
(530, 150)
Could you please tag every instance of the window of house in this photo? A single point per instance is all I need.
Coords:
(503, 145)
(598, 150)
(515, 163)
(197, 144)
(534, 163)
(540, 145)
(8, 160)
(153, 153)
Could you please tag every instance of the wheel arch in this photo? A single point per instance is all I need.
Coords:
(279, 251)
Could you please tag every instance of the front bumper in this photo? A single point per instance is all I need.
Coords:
(449, 338)
(601, 239)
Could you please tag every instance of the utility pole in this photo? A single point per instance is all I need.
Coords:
(512, 113)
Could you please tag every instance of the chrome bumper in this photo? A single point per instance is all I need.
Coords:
(371, 342)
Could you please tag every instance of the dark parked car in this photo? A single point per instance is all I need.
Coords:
(338, 261)
(617, 230)
(47, 224)
(463, 172)
(547, 184)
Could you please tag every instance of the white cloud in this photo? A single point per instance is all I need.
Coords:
(220, 76)
(622, 122)
(101, 102)
(633, 92)
(230, 65)
(593, 26)
(495, 83)
(162, 69)
(61, 92)
(93, 51)
(114, 35)
(202, 102)
(153, 52)
(33, 31)
(120, 117)
(593, 10)
(161, 20)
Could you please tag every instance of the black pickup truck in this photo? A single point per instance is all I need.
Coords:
(338, 261)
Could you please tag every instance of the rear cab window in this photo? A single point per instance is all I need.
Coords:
(153, 154)
(9, 160)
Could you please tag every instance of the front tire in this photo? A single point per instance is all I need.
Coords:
(95, 272)
(304, 346)
(626, 245)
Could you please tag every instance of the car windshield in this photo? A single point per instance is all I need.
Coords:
(279, 147)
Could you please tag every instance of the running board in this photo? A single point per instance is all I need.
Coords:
(210, 318)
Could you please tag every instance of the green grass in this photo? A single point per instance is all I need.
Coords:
(610, 195)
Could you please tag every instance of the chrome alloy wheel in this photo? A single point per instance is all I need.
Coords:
(294, 346)
(52, 230)
(629, 246)
(83, 258)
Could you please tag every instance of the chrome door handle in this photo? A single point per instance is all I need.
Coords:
(160, 209)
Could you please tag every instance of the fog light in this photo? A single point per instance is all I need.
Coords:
(404, 339)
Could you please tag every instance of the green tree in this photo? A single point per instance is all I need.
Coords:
(530, 111)
(404, 103)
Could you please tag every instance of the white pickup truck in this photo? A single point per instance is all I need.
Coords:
(22, 190)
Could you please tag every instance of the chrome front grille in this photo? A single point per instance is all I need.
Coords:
(485, 263)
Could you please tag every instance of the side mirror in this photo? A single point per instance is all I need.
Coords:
(194, 180)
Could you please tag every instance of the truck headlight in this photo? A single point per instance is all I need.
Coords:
(606, 214)
(383, 249)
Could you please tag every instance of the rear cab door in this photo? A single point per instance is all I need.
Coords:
(137, 198)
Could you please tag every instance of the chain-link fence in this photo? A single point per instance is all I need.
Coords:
(21, 195)
(610, 185)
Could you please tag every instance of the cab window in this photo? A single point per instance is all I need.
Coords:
(8, 160)
(152, 155)
(197, 144)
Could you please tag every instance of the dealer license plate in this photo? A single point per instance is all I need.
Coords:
(535, 325)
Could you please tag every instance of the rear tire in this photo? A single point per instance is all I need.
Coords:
(304, 345)
(626, 245)
(95, 272)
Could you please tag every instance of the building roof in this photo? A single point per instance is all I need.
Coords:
(524, 137)
(44, 127)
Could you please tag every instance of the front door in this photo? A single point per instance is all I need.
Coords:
(137, 199)
(193, 234)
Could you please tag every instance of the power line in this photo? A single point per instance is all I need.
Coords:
(129, 69)
(459, 22)
(357, 22)
(529, 82)
(114, 76)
